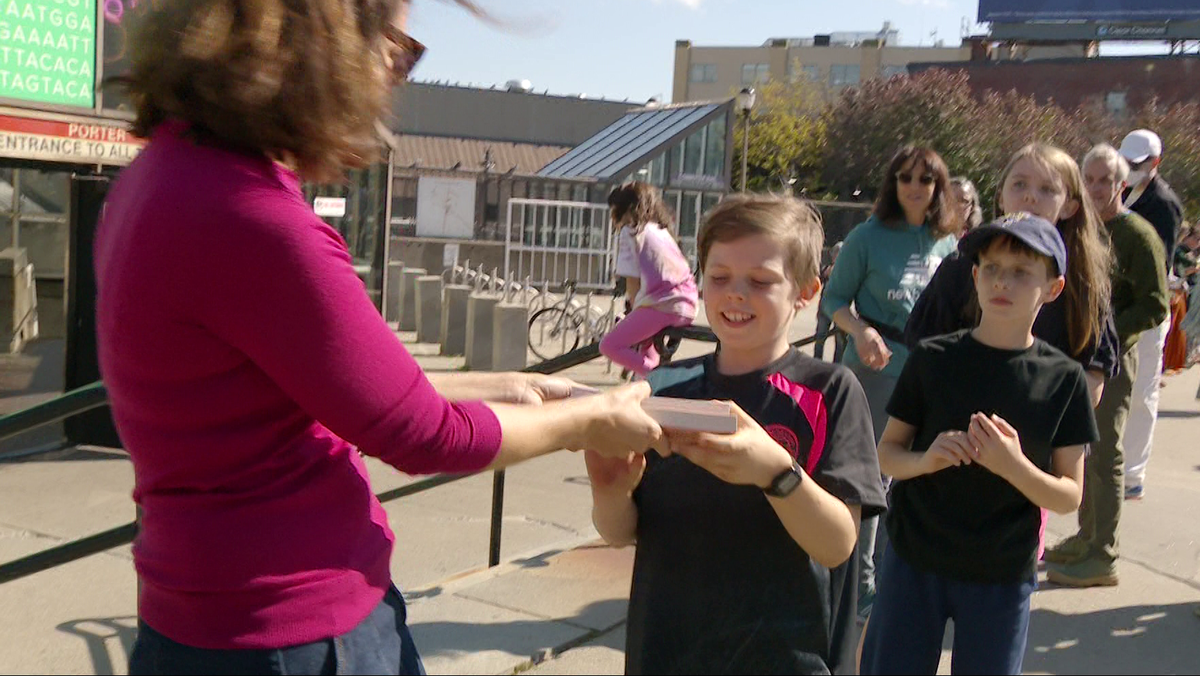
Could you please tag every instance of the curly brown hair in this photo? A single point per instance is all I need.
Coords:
(298, 80)
(640, 201)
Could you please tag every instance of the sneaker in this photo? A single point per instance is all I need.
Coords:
(1067, 551)
(866, 601)
(1135, 492)
(1088, 572)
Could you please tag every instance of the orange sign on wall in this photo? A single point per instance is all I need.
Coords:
(74, 142)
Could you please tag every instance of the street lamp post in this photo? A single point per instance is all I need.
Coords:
(745, 102)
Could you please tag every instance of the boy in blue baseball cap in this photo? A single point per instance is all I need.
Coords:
(987, 426)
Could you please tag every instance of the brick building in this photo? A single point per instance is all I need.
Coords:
(1119, 83)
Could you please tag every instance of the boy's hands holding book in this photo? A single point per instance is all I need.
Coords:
(749, 456)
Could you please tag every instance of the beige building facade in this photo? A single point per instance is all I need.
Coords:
(703, 73)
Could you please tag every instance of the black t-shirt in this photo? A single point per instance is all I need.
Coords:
(965, 522)
(945, 304)
(718, 584)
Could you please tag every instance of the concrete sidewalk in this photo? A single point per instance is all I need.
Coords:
(562, 611)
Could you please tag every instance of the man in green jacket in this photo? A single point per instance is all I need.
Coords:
(1139, 303)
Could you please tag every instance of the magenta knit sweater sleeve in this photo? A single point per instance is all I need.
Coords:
(281, 288)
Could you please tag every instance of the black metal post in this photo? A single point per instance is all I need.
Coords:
(497, 518)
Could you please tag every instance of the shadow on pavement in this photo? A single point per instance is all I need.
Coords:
(1132, 640)
(449, 638)
(102, 635)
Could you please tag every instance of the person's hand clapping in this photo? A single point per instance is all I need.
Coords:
(952, 448)
(618, 426)
(997, 444)
(748, 456)
(872, 349)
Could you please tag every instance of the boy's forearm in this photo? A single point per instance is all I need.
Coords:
(615, 517)
(821, 524)
(898, 462)
(1059, 494)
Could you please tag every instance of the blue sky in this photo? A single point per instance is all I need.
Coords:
(624, 48)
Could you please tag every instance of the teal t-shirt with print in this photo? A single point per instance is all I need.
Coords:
(882, 270)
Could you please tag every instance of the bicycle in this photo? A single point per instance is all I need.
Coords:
(560, 328)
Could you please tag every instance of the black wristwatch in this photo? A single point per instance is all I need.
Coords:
(787, 481)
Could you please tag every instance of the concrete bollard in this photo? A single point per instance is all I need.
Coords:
(408, 298)
(391, 308)
(510, 334)
(480, 322)
(429, 308)
(453, 334)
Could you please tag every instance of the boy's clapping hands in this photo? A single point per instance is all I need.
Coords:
(989, 441)
(997, 445)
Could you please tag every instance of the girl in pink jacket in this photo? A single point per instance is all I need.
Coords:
(664, 293)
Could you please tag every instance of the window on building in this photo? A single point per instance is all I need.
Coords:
(1116, 104)
(689, 214)
(693, 153)
(799, 72)
(714, 148)
(890, 71)
(754, 73)
(841, 75)
(703, 72)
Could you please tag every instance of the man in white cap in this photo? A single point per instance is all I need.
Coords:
(1150, 197)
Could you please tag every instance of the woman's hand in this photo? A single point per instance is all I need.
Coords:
(536, 388)
(872, 349)
(748, 456)
(616, 425)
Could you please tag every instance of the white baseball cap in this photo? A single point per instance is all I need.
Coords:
(1141, 144)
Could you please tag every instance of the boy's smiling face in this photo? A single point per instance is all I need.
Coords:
(750, 301)
(1014, 284)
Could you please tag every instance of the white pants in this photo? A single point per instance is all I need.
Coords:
(1143, 407)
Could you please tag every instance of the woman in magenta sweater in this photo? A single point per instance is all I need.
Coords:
(246, 365)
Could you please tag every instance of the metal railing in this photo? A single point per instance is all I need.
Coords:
(95, 395)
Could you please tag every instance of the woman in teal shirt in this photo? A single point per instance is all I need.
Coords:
(884, 265)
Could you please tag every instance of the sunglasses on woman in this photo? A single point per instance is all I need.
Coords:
(907, 177)
(407, 51)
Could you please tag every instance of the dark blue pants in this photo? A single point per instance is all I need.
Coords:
(380, 644)
(908, 623)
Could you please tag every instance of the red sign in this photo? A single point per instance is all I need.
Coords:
(74, 142)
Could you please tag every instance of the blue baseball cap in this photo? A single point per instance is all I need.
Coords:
(1038, 233)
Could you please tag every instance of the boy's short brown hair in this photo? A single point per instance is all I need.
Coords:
(792, 222)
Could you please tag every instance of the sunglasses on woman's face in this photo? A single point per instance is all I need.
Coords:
(407, 51)
(908, 176)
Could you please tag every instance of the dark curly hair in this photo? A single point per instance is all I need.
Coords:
(298, 80)
(641, 201)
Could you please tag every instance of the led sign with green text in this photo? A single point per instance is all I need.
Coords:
(48, 51)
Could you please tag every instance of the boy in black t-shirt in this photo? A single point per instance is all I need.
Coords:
(987, 426)
(744, 541)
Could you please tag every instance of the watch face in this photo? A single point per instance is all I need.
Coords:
(785, 483)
